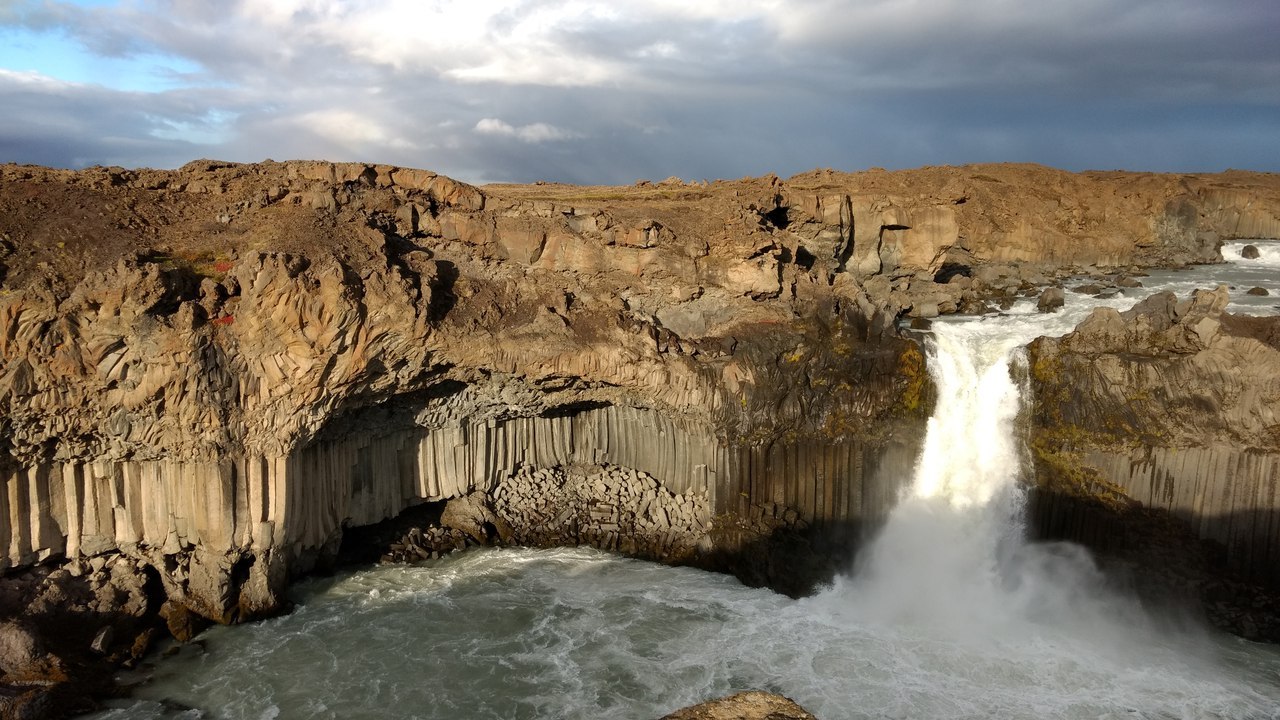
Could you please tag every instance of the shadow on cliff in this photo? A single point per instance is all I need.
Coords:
(443, 297)
(794, 562)
(49, 670)
(1166, 563)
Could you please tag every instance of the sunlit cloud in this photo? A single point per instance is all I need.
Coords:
(588, 90)
(534, 133)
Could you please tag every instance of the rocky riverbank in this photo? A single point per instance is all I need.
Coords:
(213, 376)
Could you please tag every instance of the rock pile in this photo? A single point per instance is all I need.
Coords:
(605, 506)
(430, 543)
(64, 631)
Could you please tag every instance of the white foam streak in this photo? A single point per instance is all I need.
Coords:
(1268, 253)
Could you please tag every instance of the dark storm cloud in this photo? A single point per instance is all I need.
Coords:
(595, 92)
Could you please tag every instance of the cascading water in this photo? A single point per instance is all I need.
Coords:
(950, 614)
(952, 557)
(938, 558)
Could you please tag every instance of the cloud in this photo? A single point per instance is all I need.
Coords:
(586, 90)
(535, 133)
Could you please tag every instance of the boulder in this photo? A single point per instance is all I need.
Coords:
(924, 309)
(471, 515)
(23, 657)
(751, 705)
(1051, 300)
(1249, 252)
(183, 624)
(1259, 291)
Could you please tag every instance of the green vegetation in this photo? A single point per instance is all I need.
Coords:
(1063, 470)
(915, 376)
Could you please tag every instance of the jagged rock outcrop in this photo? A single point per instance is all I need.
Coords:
(752, 705)
(214, 373)
(1157, 435)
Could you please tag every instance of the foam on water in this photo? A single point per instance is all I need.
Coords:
(579, 634)
(1268, 253)
(1237, 273)
(950, 614)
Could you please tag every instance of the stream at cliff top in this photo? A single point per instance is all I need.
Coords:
(949, 613)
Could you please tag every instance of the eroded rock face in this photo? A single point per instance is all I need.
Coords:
(1157, 438)
(215, 371)
(212, 373)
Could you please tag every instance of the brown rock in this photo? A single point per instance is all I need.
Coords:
(1051, 300)
(183, 624)
(24, 659)
(751, 705)
(471, 515)
(1136, 413)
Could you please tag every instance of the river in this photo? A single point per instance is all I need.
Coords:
(949, 612)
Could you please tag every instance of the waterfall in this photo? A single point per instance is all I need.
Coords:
(952, 557)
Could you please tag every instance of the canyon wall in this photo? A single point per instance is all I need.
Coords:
(218, 369)
(1157, 437)
(217, 372)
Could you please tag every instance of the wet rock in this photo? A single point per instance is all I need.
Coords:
(752, 705)
(1051, 299)
(183, 624)
(1258, 291)
(973, 305)
(1250, 252)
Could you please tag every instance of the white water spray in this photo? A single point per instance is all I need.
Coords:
(952, 559)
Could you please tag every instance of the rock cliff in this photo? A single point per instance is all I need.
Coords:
(211, 375)
(1157, 439)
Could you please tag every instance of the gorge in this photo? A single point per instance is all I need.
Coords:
(212, 376)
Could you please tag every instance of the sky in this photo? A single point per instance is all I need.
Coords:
(611, 92)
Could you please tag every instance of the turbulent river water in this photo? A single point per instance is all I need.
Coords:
(949, 612)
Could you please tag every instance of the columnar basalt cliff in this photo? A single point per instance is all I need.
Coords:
(1157, 440)
(210, 375)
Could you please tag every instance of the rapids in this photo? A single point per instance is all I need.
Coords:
(949, 613)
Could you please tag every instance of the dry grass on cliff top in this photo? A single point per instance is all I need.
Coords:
(58, 225)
